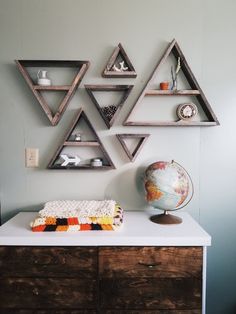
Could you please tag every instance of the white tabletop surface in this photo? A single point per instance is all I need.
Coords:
(137, 230)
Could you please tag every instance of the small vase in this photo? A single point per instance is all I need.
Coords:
(42, 78)
(174, 86)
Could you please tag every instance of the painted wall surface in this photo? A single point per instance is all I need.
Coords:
(89, 30)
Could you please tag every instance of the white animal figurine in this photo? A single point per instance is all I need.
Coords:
(121, 68)
(70, 160)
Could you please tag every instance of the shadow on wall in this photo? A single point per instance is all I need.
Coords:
(127, 189)
(13, 212)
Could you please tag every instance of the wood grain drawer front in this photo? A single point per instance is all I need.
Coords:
(154, 262)
(35, 311)
(48, 262)
(47, 293)
(150, 312)
(151, 293)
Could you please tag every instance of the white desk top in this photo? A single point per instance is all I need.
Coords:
(137, 230)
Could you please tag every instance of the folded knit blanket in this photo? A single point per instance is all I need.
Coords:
(47, 222)
(66, 209)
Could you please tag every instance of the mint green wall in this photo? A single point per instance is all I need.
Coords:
(76, 29)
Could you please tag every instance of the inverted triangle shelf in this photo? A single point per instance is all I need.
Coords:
(81, 68)
(109, 113)
(132, 153)
(119, 65)
(194, 91)
(69, 140)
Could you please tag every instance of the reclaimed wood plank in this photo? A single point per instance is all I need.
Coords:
(48, 262)
(48, 293)
(52, 87)
(154, 262)
(43, 311)
(151, 293)
(156, 92)
(82, 143)
(198, 311)
(179, 123)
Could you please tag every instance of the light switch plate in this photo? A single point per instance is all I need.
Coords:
(31, 157)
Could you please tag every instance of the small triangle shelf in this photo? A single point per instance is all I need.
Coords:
(109, 113)
(69, 90)
(55, 162)
(194, 91)
(132, 154)
(119, 65)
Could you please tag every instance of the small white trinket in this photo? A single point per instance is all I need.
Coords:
(70, 160)
(78, 137)
(96, 162)
(42, 78)
(122, 67)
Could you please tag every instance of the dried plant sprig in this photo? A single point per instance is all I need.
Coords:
(178, 67)
(175, 74)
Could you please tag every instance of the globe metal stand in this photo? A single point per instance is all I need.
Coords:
(166, 219)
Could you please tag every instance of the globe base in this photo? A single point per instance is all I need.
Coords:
(166, 219)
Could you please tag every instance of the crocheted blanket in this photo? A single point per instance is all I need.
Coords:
(48, 222)
(66, 209)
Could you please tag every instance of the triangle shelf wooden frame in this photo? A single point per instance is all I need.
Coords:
(109, 72)
(67, 142)
(126, 89)
(142, 139)
(194, 91)
(69, 89)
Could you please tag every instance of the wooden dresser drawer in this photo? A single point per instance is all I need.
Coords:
(35, 311)
(151, 312)
(151, 293)
(150, 278)
(160, 262)
(48, 262)
(47, 293)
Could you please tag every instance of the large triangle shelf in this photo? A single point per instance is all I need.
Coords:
(109, 113)
(195, 91)
(81, 68)
(132, 154)
(119, 65)
(96, 143)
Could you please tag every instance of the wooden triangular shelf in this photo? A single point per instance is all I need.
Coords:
(195, 91)
(108, 164)
(109, 113)
(82, 67)
(113, 62)
(132, 154)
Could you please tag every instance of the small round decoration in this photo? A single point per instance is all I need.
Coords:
(187, 111)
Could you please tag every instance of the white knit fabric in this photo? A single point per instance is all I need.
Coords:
(66, 209)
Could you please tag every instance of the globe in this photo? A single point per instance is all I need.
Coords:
(167, 188)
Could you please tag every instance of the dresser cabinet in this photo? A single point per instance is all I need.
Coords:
(153, 270)
(101, 279)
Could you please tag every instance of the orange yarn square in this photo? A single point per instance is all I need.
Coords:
(73, 221)
(51, 221)
(106, 227)
(38, 228)
(62, 228)
(84, 227)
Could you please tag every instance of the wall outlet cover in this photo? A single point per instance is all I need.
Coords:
(31, 157)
